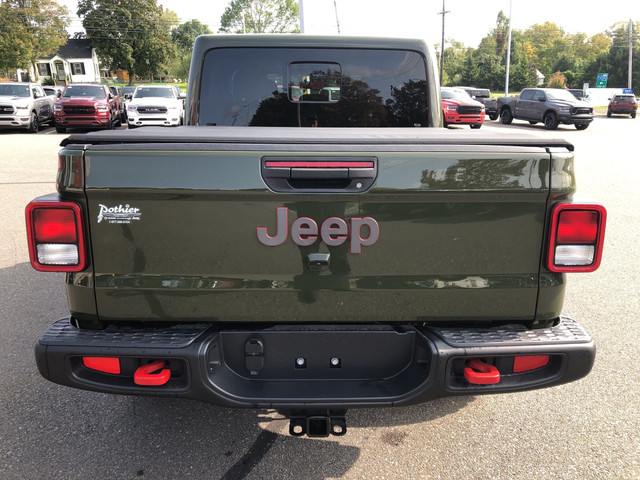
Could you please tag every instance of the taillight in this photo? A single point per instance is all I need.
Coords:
(577, 236)
(55, 235)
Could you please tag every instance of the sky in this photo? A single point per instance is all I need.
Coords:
(468, 21)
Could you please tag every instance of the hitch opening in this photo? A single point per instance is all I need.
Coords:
(317, 423)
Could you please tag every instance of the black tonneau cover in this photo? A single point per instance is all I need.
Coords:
(287, 136)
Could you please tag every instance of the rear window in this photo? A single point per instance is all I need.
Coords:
(298, 87)
(625, 97)
(479, 92)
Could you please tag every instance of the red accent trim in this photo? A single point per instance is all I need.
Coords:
(480, 373)
(103, 364)
(31, 213)
(598, 243)
(149, 375)
(297, 164)
(530, 362)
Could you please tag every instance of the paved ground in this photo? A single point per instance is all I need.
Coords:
(585, 430)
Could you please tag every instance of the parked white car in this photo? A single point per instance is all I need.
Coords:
(25, 106)
(158, 105)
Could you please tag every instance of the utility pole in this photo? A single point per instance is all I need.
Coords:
(335, 8)
(301, 14)
(630, 52)
(506, 81)
(443, 13)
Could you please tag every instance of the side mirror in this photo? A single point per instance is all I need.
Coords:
(110, 96)
(542, 99)
(182, 96)
(128, 96)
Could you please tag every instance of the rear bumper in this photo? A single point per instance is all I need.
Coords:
(623, 110)
(290, 367)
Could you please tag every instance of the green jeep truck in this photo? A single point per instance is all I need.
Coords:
(250, 259)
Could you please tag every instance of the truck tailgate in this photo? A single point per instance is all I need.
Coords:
(175, 227)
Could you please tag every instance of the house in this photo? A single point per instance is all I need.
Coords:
(74, 62)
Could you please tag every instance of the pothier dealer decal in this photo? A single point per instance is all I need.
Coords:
(119, 214)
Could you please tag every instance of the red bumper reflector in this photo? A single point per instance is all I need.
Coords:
(102, 364)
(152, 374)
(480, 373)
(530, 362)
(298, 164)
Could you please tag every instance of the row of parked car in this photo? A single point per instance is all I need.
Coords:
(29, 105)
(550, 106)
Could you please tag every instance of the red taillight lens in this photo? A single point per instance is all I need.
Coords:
(577, 237)
(55, 225)
(55, 235)
(577, 227)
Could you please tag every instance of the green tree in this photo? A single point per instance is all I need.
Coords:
(129, 34)
(549, 42)
(616, 61)
(501, 33)
(30, 29)
(454, 62)
(182, 38)
(260, 16)
(185, 34)
(522, 74)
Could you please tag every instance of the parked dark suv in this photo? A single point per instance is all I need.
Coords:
(624, 104)
(483, 95)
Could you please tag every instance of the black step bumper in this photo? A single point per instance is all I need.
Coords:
(330, 366)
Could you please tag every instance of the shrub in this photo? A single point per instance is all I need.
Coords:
(557, 80)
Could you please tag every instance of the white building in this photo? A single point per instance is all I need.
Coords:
(74, 62)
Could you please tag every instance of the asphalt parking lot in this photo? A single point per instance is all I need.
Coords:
(589, 429)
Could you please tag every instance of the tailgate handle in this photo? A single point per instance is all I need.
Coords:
(319, 174)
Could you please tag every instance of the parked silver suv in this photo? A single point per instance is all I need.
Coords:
(25, 105)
